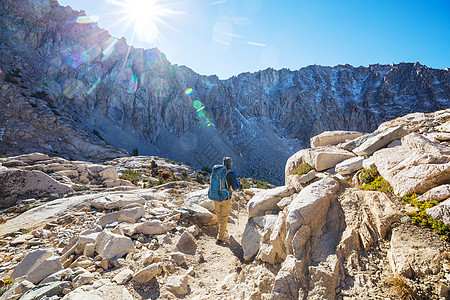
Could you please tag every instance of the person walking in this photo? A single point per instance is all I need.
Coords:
(223, 182)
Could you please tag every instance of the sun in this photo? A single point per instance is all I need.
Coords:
(146, 16)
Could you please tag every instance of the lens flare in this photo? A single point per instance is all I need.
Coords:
(189, 91)
(111, 42)
(97, 82)
(76, 58)
(87, 19)
(197, 104)
(132, 84)
(201, 112)
(145, 16)
(73, 88)
(201, 109)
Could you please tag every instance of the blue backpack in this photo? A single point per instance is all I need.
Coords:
(218, 186)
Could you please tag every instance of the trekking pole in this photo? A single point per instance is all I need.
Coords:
(239, 200)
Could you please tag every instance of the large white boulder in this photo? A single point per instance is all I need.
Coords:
(117, 201)
(200, 198)
(255, 230)
(37, 265)
(154, 227)
(29, 184)
(130, 215)
(50, 210)
(146, 274)
(266, 200)
(415, 256)
(293, 162)
(418, 141)
(350, 165)
(272, 249)
(379, 141)
(333, 137)
(327, 157)
(438, 193)
(350, 145)
(324, 279)
(299, 181)
(99, 290)
(310, 207)
(379, 214)
(110, 245)
(108, 173)
(178, 285)
(440, 212)
(30, 158)
(200, 214)
(444, 127)
(290, 282)
(411, 170)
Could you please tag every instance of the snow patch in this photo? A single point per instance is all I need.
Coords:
(289, 83)
(208, 84)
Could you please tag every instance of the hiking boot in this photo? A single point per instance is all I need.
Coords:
(218, 242)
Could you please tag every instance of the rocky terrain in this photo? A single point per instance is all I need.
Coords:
(74, 229)
(69, 89)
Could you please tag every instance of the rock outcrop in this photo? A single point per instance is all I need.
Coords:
(70, 89)
(322, 238)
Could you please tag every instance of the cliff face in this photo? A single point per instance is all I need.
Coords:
(134, 98)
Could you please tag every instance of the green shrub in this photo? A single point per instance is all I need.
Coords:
(184, 175)
(153, 164)
(379, 184)
(302, 169)
(135, 152)
(374, 182)
(421, 218)
(131, 175)
(199, 178)
(252, 182)
(245, 183)
(369, 175)
(262, 184)
(161, 179)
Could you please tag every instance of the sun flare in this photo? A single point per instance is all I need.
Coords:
(145, 16)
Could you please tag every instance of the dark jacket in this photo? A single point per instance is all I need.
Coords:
(232, 182)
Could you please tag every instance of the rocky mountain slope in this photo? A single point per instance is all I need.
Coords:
(98, 91)
(341, 229)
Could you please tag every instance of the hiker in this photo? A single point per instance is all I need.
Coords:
(223, 181)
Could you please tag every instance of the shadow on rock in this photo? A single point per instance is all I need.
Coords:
(150, 290)
(236, 248)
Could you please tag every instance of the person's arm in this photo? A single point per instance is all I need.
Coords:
(232, 181)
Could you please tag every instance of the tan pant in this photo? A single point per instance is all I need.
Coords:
(223, 212)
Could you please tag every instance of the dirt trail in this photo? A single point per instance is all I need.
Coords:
(216, 274)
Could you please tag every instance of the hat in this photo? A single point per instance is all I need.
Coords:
(227, 162)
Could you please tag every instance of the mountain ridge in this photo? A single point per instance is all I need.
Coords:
(135, 98)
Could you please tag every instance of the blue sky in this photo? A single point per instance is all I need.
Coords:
(228, 37)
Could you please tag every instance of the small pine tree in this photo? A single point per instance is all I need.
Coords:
(153, 164)
(161, 178)
(199, 178)
(184, 175)
(135, 152)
